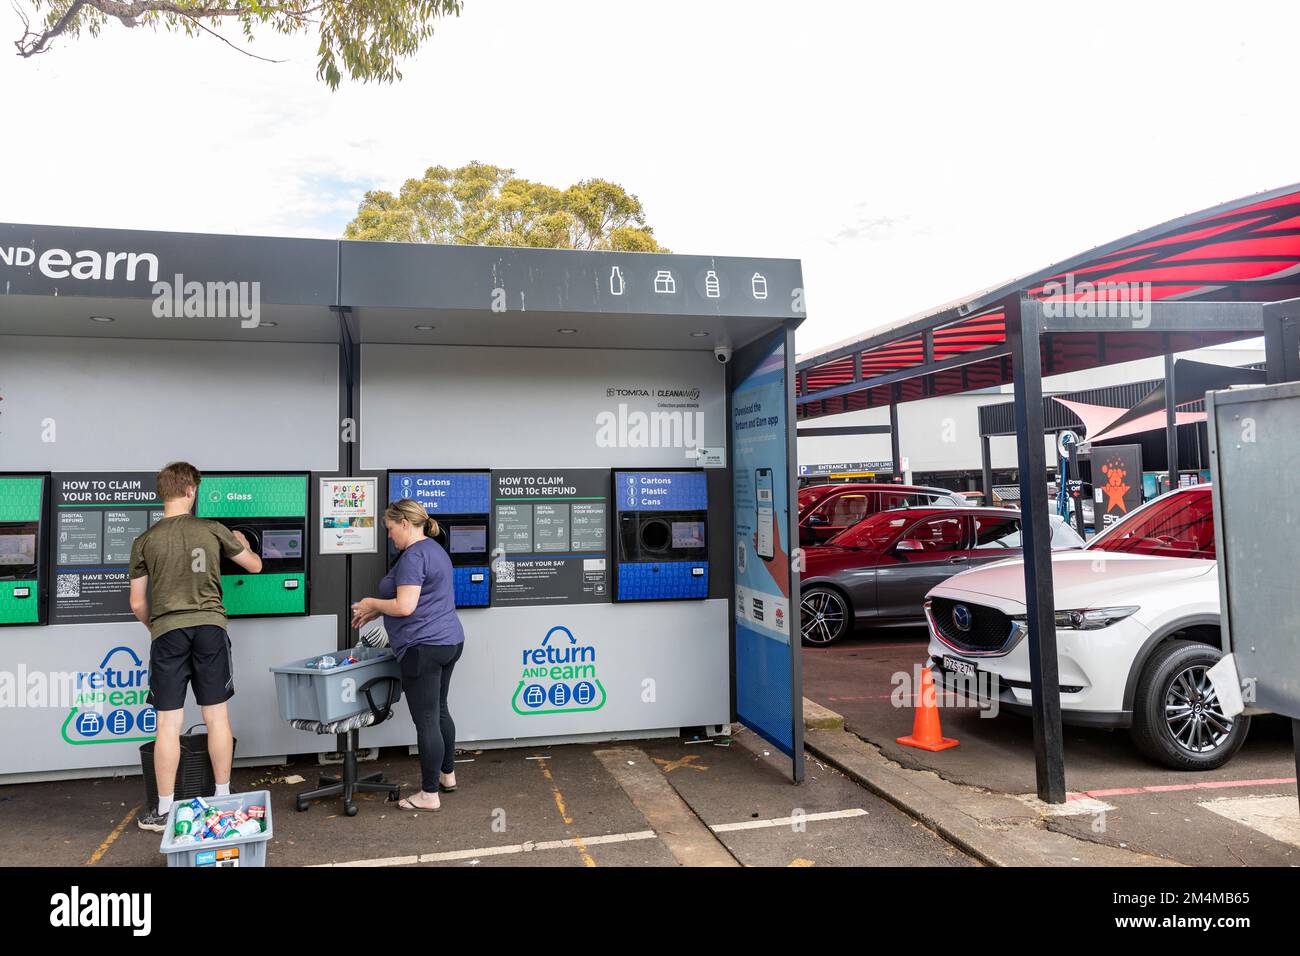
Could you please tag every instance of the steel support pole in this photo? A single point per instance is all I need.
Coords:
(893, 433)
(1282, 342)
(1171, 420)
(986, 468)
(1023, 334)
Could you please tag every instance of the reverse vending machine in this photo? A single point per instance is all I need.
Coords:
(662, 522)
(461, 503)
(271, 511)
(22, 543)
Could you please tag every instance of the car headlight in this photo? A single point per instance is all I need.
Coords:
(1092, 619)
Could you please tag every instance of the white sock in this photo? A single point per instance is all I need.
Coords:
(164, 805)
(223, 789)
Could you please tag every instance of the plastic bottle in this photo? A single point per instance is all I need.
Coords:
(184, 820)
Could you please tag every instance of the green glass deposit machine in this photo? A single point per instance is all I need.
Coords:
(22, 543)
(271, 511)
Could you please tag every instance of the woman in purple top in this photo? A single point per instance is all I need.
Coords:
(418, 603)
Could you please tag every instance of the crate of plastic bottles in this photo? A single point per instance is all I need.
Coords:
(310, 689)
(219, 831)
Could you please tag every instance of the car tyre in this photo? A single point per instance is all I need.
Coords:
(1177, 720)
(824, 616)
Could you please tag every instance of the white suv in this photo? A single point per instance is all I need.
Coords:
(1137, 627)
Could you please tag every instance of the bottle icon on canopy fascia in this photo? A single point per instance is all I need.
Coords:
(616, 283)
(712, 289)
(665, 284)
(759, 284)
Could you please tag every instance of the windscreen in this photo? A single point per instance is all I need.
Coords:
(1178, 525)
(872, 533)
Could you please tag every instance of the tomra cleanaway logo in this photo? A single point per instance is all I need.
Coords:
(109, 705)
(559, 677)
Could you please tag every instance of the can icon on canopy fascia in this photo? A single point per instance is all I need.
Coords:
(759, 285)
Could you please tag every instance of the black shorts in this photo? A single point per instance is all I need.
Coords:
(198, 655)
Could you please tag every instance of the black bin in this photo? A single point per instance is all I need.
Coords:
(194, 777)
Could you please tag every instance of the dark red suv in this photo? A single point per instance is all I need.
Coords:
(826, 510)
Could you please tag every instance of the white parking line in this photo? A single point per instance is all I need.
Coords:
(448, 856)
(787, 821)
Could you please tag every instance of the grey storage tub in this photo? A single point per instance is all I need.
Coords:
(306, 693)
(233, 851)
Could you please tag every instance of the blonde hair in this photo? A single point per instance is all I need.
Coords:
(412, 511)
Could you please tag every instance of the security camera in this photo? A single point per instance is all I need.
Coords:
(722, 353)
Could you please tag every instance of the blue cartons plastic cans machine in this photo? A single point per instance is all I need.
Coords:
(460, 501)
(662, 535)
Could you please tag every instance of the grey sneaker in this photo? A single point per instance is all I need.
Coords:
(153, 820)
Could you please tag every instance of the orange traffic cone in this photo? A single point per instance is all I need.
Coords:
(926, 732)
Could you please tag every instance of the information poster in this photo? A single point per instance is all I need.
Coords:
(97, 517)
(552, 536)
(348, 509)
(765, 659)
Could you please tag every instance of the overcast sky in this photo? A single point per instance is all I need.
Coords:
(906, 153)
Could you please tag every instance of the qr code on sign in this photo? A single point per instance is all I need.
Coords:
(505, 572)
(68, 586)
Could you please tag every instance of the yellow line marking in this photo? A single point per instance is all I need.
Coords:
(800, 861)
(564, 812)
(687, 761)
(117, 832)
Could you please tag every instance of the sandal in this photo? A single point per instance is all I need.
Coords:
(406, 804)
(443, 788)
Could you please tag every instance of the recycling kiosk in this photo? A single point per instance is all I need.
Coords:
(606, 440)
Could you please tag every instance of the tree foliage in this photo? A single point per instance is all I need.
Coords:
(364, 38)
(478, 204)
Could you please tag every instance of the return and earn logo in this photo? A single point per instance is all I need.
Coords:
(558, 677)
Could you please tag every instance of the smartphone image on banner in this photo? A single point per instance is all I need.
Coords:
(766, 514)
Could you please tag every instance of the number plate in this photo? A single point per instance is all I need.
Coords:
(956, 665)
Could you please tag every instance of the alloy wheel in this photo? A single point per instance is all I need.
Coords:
(822, 617)
(1193, 712)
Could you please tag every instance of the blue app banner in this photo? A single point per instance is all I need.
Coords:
(660, 491)
(448, 493)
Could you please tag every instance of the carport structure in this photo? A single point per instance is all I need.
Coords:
(1220, 275)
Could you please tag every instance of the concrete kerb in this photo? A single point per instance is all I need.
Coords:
(996, 829)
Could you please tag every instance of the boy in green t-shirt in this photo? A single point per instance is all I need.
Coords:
(176, 593)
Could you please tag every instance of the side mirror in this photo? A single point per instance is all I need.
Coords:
(908, 544)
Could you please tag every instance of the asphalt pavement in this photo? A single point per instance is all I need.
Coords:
(1245, 813)
(542, 806)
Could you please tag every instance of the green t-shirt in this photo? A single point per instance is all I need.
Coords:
(182, 557)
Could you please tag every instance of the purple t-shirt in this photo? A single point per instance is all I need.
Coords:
(434, 619)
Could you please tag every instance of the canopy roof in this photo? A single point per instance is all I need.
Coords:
(1247, 251)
